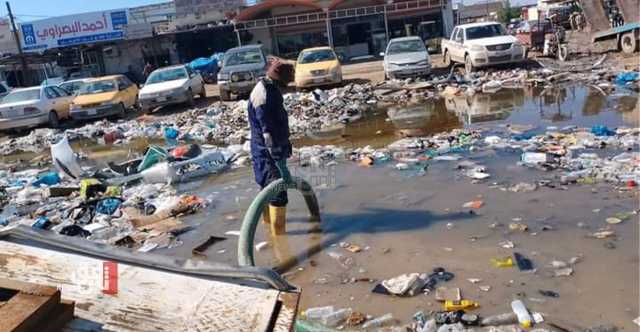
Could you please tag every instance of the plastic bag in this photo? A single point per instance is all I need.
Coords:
(64, 160)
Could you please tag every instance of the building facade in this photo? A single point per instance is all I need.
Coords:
(355, 28)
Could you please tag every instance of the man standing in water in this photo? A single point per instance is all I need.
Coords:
(270, 136)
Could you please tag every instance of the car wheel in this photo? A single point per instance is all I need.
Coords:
(54, 121)
(563, 53)
(447, 59)
(468, 65)
(123, 111)
(190, 100)
(225, 95)
(629, 43)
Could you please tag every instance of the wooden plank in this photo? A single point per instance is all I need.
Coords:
(147, 299)
(27, 287)
(23, 312)
(59, 318)
(288, 312)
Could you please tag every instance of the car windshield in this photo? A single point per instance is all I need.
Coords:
(485, 31)
(21, 95)
(92, 88)
(166, 75)
(316, 56)
(407, 46)
(243, 58)
(72, 87)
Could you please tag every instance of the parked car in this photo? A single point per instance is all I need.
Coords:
(171, 85)
(318, 66)
(30, 107)
(242, 68)
(482, 44)
(4, 89)
(73, 86)
(406, 57)
(103, 97)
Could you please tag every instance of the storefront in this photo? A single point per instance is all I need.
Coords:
(356, 29)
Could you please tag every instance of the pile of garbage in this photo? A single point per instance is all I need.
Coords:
(456, 316)
(315, 110)
(568, 149)
(219, 123)
(132, 204)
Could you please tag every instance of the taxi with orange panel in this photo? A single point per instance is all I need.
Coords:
(318, 66)
(104, 97)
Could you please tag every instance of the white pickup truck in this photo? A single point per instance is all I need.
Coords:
(481, 44)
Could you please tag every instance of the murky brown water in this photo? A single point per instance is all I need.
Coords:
(403, 219)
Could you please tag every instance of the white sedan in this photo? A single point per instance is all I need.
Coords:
(169, 86)
(30, 107)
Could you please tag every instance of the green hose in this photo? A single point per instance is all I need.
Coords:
(254, 213)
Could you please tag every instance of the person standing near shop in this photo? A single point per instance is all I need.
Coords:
(270, 143)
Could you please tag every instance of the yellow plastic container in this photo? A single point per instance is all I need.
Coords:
(502, 262)
(460, 305)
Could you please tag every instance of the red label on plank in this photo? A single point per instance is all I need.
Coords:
(110, 278)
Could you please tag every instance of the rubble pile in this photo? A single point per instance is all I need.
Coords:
(132, 204)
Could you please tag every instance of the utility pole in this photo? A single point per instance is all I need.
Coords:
(23, 62)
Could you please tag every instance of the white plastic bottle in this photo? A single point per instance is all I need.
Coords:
(336, 317)
(378, 322)
(524, 318)
(316, 314)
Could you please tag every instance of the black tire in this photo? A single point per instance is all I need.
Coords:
(468, 65)
(190, 101)
(447, 59)
(225, 95)
(54, 121)
(123, 111)
(629, 43)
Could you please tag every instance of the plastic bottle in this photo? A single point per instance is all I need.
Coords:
(343, 259)
(501, 319)
(460, 305)
(429, 326)
(315, 314)
(336, 317)
(524, 318)
(378, 322)
(534, 158)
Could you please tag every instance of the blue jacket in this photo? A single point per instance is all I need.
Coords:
(267, 115)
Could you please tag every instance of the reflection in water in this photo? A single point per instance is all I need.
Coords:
(485, 107)
(421, 120)
(594, 103)
(533, 106)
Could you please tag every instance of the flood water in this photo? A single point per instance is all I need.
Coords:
(416, 223)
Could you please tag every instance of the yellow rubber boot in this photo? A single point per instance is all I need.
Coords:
(266, 218)
(278, 216)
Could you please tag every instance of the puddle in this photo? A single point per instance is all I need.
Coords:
(575, 105)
